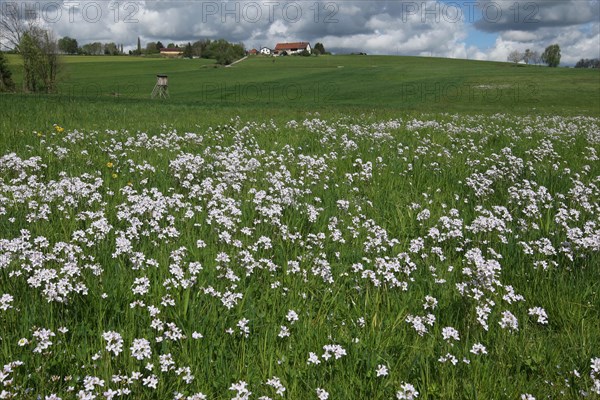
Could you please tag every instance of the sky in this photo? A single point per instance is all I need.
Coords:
(478, 29)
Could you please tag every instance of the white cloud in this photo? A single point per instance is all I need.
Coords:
(375, 27)
(575, 43)
(527, 15)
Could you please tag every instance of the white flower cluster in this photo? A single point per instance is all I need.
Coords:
(182, 233)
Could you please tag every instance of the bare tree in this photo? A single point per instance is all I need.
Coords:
(515, 56)
(17, 18)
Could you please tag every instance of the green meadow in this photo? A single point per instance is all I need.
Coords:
(333, 227)
(101, 90)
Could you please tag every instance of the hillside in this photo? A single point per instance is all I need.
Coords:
(278, 85)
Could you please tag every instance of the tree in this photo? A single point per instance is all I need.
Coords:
(319, 48)
(159, 46)
(20, 26)
(527, 56)
(187, 51)
(92, 49)
(199, 47)
(6, 82)
(16, 19)
(224, 52)
(39, 50)
(515, 56)
(151, 48)
(587, 63)
(111, 49)
(551, 56)
(138, 50)
(67, 45)
(535, 57)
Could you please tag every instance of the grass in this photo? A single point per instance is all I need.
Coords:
(370, 140)
(116, 90)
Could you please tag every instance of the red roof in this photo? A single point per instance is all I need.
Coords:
(291, 46)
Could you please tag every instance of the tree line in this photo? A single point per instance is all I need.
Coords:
(588, 63)
(551, 56)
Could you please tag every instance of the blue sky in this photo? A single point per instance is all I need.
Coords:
(481, 40)
(486, 29)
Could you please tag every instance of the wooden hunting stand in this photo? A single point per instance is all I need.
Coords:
(161, 89)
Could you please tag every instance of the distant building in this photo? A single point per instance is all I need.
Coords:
(252, 52)
(292, 48)
(266, 51)
(171, 52)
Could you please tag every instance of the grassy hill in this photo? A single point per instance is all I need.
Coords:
(294, 85)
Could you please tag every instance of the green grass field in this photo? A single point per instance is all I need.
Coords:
(100, 90)
(336, 227)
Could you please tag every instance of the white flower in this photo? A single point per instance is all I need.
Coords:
(241, 388)
(450, 333)
(542, 317)
(595, 365)
(114, 342)
(478, 348)
(5, 301)
(150, 381)
(243, 326)
(430, 302)
(283, 332)
(509, 321)
(275, 383)
(381, 370)
(292, 316)
(140, 349)
(337, 350)
(407, 392)
(423, 215)
(43, 336)
(197, 335)
(322, 394)
(313, 358)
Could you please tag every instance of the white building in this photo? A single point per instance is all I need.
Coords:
(292, 48)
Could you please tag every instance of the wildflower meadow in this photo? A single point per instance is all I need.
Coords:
(347, 257)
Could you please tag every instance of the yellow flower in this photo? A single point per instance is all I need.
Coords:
(109, 164)
(39, 134)
(114, 175)
(58, 128)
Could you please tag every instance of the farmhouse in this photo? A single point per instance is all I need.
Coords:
(252, 52)
(292, 48)
(171, 51)
(266, 51)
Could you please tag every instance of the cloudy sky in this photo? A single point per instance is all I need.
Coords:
(478, 29)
